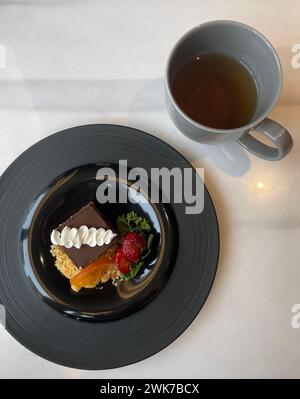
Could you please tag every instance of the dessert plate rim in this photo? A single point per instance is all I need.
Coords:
(96, 346)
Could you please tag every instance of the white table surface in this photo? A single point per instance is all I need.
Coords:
(73, 62)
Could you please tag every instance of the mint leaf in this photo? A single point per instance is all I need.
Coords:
(132, 222)
(149, 241)
(123, 225)
(135, 268)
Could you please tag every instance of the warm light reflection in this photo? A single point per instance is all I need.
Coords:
(260, 185)
(42, 260)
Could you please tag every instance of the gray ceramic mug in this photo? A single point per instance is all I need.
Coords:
(248, 46)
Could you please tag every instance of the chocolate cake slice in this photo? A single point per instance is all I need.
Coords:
(88, 216)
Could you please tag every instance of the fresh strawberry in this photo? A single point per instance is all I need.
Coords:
(122, 262)
(132, 246)
(136, 239)
(131, 252)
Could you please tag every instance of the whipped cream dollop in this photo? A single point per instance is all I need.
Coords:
(72, 237)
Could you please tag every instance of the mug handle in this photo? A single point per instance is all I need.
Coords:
(279, 136)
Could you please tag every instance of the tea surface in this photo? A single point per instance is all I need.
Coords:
(216, 91)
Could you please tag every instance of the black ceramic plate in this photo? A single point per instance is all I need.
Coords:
(111, 327)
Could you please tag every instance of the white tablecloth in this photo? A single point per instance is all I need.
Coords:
(72, 62)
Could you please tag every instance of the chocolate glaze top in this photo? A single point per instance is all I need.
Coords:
(89, 216)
